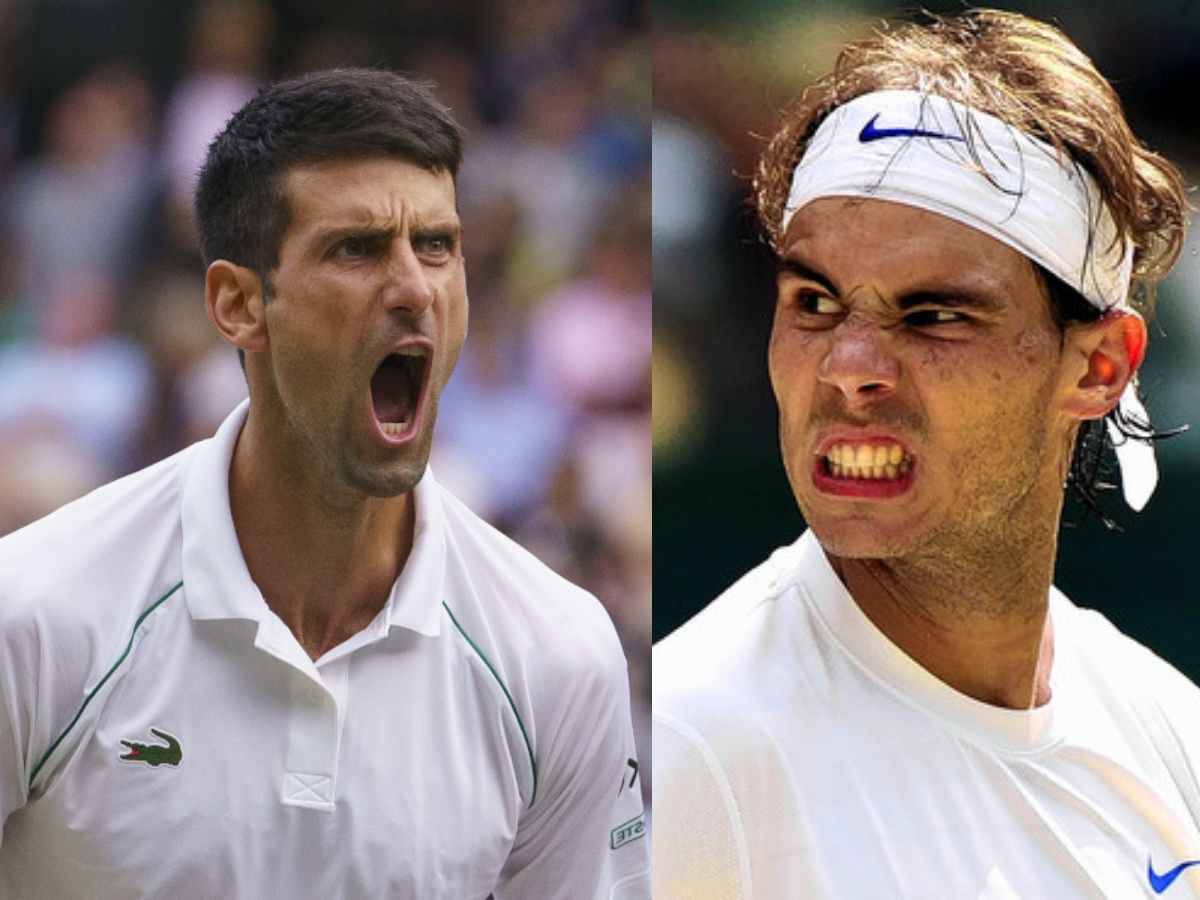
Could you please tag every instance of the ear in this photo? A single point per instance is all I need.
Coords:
(233, 296)
(1104, 356)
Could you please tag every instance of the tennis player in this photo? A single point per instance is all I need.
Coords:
(286, 662)
(900, 705)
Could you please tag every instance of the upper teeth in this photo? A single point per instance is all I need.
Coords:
(411, 351)
(848, 460)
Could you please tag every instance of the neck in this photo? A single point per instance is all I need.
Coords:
(978, 621)
(351, 548)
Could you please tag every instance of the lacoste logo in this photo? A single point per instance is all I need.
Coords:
(155, 754)
(871, 133)
(1161, 882)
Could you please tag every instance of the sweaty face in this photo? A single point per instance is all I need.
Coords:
(367, 319)
(915, 364)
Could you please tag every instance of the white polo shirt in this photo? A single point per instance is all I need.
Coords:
(799, 753)
(163, 734)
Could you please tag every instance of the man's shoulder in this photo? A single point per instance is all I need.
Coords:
(75, 584)
(696, 656)
(528, 610)
(89, 549)
(708, 673)
(1145, 698)
(724, 683)
(1122, 670)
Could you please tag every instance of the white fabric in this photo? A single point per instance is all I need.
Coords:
(1139, 468)
(798, 752)
(977, 170)
(397, 765)
(974, 168)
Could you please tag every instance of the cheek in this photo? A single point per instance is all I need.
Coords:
(455, 318)
(943, 362)
(993, 374)
(316, 310)
(991, 402)
(313, 342)
(1033, 344)
(785, 360)
(1029, 365)
(793, 352)
(792, 359)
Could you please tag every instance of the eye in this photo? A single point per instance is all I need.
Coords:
(813, 303)
(353, 247)
(923, 318)
(435, 245)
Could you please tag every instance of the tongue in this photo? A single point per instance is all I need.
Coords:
(393, 393)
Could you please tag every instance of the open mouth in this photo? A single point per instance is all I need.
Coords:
(875, 468)
(397, 388)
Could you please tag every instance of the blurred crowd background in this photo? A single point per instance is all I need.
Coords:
(108, 363)
(722, 72)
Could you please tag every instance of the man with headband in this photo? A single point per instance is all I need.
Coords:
(900, 704)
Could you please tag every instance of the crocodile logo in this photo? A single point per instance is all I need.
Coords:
(155, 754)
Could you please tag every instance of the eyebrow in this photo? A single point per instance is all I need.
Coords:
(327, 236)
(332, 235)
(955, 297)
(446, 227)
(800, 270)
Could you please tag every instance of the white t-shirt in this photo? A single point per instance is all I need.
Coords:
(798, 753)
(163, 734)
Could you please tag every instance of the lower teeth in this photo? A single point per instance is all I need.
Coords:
(394, 427)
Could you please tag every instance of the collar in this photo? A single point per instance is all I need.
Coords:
(1011, 730)
(217, 583)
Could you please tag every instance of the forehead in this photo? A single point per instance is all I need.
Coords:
(889, 241)
(370, 191)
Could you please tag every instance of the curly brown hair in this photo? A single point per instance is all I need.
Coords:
(1022, 71)
(1033, 77)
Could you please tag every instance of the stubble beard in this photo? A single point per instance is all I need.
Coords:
(393, 476)
(998, 530)
(1003, 541)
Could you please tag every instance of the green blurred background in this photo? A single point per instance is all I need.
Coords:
(721, 502)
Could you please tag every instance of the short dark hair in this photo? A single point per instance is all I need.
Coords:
(241, 210)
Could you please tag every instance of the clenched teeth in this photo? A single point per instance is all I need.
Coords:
(849, 460)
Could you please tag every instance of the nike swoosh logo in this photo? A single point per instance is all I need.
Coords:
(871, 133)
(1161, 882)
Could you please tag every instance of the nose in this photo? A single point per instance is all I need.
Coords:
(407, 286)
(859, 363)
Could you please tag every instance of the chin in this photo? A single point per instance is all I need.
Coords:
(394, 484)
(858, 543)
(389, 478)
(868, 535)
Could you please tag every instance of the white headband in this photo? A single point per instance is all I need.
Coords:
(936, 154)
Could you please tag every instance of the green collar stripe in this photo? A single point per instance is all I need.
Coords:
(88, 699)
(511, 702)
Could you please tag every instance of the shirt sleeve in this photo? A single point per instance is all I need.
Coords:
(18, 642)
(584, 836)
(698, 844)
